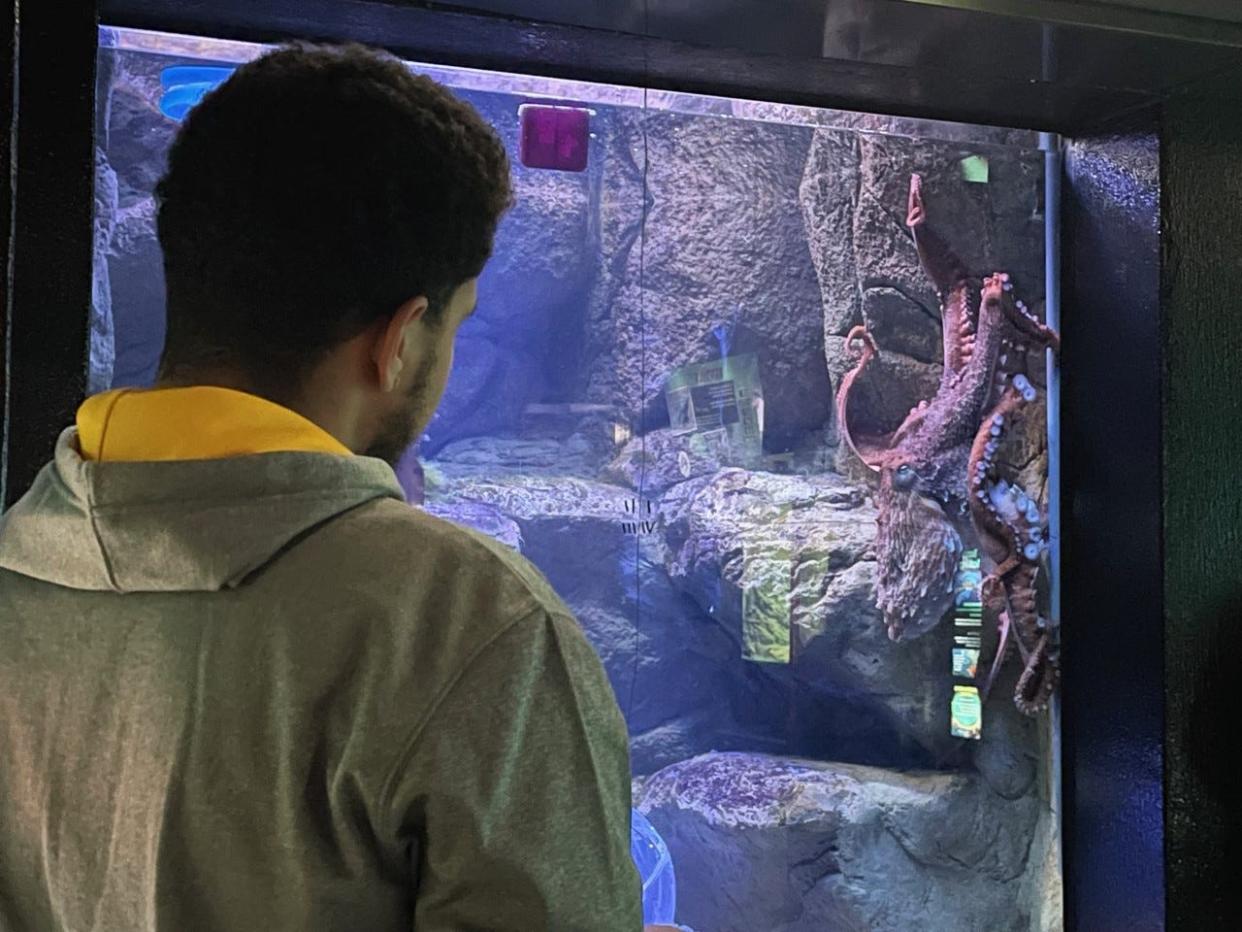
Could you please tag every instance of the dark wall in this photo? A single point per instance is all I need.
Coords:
(1203, 506)
(50, 289)
(1111, 451)
(8, 72)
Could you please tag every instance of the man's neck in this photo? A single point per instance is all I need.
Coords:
(335, 415)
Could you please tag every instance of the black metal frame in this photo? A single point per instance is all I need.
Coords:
(1106, 89)
(48, 282)
(8, 133)
(1011, 72)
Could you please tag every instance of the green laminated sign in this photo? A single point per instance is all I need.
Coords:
(975, 169)
(719, 404)
(766, 605)
(966, 718)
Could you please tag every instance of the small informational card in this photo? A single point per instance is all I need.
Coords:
(966, 718)
(965, 662)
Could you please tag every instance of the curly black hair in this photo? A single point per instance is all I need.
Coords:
(310, 195)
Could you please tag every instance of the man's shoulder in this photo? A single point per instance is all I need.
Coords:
(425, 557)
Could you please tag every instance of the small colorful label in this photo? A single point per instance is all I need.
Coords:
(965, 662)
(966, 720)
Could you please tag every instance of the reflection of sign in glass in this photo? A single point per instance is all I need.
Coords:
(966, 719)
(720, 404)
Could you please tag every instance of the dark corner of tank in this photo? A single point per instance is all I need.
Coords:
(781, 442)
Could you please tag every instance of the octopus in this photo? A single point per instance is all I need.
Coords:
(940, 479)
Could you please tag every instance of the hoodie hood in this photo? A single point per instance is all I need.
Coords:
(177, 526)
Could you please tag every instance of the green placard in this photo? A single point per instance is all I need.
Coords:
(966, 713)
(975, 169)
(719, 404)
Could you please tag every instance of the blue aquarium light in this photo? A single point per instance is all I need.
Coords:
(185, 85)
(655, 866)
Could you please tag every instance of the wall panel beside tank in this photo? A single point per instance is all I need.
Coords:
(1111, 546)
(1203, 509)
(49, 278)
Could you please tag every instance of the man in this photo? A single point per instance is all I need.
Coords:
(243, 685)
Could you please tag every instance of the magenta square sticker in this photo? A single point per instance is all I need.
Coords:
(554, 137)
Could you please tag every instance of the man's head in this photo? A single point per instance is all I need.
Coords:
(324, 218)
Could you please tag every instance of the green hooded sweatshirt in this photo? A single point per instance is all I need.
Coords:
(263, 693)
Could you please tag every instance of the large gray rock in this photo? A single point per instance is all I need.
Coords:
(807, 541)
(102, 360)
(789, 845)
(670, 666)
(661, 585)
(853, 199)
(137, 138)
(670, 633)
(718, 253)
(524, 343)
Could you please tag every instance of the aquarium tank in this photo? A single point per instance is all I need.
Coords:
(768, 393)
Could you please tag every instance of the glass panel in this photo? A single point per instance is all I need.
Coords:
(855, 782)
(649, 404)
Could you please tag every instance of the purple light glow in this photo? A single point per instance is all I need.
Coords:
(554, 137)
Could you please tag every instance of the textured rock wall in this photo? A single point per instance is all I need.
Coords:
(799, 846)
(102, 358)
(853, 197)
(136, 139)
(707, 211)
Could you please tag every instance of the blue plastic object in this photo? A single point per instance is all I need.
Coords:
(655, 866)
(185, 85)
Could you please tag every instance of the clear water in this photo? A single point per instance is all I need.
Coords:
(643, 405)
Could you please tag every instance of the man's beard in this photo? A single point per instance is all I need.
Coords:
(401, 428)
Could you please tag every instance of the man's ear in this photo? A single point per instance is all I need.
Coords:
(390, 342)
